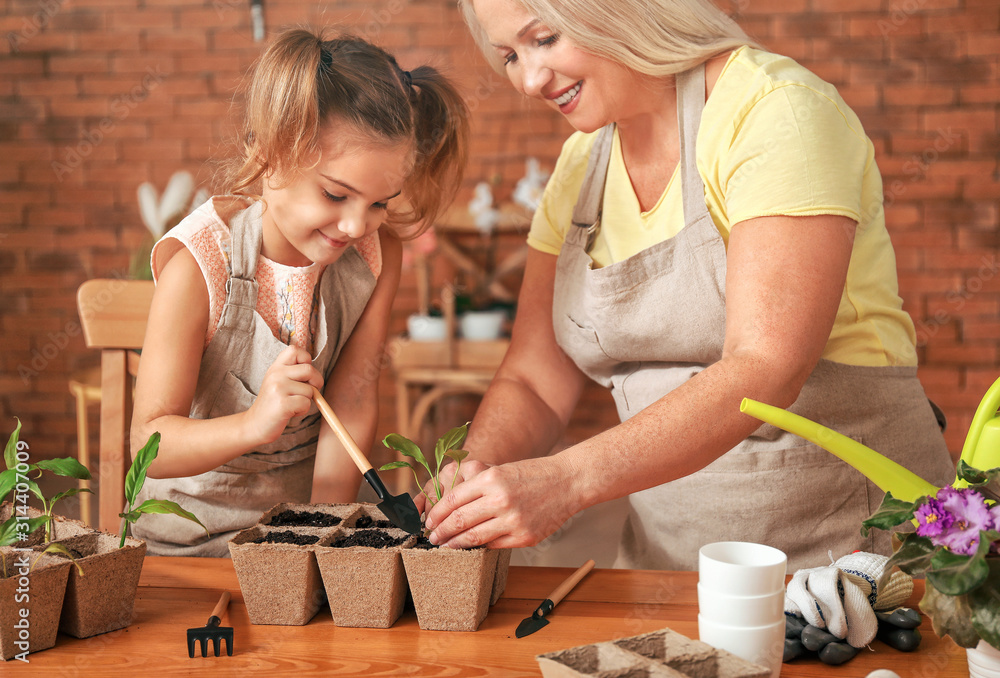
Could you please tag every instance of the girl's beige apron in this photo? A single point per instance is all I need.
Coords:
(233, 496)
(645, 325)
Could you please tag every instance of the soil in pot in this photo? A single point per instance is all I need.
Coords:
(304, 519)
(103, 599)
(365, 521)
(280, 581)
(364, 577)
(286, 537)
(451, 588)
(42, 590)
(307, 515)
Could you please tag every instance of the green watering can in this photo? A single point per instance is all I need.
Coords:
(981, 449)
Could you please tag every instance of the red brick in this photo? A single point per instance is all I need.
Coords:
(142, 19)
(78, 64)
(954, 353)
(919, 95)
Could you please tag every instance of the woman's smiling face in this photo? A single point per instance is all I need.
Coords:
(589, 90)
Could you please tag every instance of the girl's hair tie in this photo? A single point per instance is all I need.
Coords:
(407, 79)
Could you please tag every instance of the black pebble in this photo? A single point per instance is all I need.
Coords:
(903, 617)
(793, 649)
(904, 640)
(837, 653)
(794, 626)
(815, 638)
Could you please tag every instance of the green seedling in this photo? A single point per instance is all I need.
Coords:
(135, 479)
(447, 446)
(17, 475)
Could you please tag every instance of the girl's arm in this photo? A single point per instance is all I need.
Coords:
(168, 374)
(352, 389)
(785, 278)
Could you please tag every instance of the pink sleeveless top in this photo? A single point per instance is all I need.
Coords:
(286, 297)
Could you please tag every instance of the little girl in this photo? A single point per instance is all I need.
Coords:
(286, 283)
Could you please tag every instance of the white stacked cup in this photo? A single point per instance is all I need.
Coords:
(741, 601)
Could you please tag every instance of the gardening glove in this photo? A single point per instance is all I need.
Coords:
(885, 590)
(828, 599)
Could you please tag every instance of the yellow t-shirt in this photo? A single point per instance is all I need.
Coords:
(774, 140)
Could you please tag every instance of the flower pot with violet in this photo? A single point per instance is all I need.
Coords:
(452, 589)
(955, 548)
(276, 564)
(32, 587)
(362, 570)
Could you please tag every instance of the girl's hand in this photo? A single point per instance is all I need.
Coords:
(286, 392)
(511, 505)
(470, 468)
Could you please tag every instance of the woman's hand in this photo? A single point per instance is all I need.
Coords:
(469, 469)
(510, 505)
(285, 392)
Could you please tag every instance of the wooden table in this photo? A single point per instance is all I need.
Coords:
(178, 593)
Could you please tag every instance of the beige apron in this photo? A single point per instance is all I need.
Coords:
(233, 496)
(645, 325)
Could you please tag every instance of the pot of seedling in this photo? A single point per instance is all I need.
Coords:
(103, 599)
(275, 563)
(277, 572)
(279, 556)
(32, 587)
(362, 570)
(452, 589)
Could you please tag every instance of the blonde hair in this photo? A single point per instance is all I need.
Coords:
(304, 82)
(655, 37)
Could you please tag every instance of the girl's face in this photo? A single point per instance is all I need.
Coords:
(316, 216)
(589, 90)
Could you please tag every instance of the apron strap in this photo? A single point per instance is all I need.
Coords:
(245, 230)
(690, 104)
(690, 87)
(587, 210)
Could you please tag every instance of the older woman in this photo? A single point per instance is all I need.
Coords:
(714, 230)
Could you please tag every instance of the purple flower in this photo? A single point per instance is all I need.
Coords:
(932, 518)
(969, 515)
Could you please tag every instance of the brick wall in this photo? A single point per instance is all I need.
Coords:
(97, 96)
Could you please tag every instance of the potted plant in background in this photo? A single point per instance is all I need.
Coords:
(955, 548)
(452, 589)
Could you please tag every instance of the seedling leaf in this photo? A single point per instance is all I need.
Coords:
(449, 441)
(9, 533)
(66, 466)
(165, 506)
(56, 547)
(457, 455)
(136, 476)
(10, 452)
(406, 447)
(396, 464)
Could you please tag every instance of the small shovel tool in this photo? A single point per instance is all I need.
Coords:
(212, 631)
(398, 509)
(537, 619)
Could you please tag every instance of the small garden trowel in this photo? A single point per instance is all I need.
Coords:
(537, 619)
(398, 509)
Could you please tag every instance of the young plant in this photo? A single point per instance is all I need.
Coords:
(135, 479)
(18, 473)
(447, 446)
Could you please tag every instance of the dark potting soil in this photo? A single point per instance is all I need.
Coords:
(424, 543)
(287, 537)
(368, 521)
(374, 538)
(289, 518)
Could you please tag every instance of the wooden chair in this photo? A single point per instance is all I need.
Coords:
(113, 314)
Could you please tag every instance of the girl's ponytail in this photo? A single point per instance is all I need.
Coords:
(441, 131)
(282, 119)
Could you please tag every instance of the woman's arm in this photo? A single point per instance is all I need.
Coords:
(352, 389)
(785, 277)
(531, 398)
(168, 374)
(536, 387)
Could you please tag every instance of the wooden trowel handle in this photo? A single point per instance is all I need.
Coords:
(345, 438)
(572, 581)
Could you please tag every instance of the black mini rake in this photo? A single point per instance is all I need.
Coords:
(212, 631)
